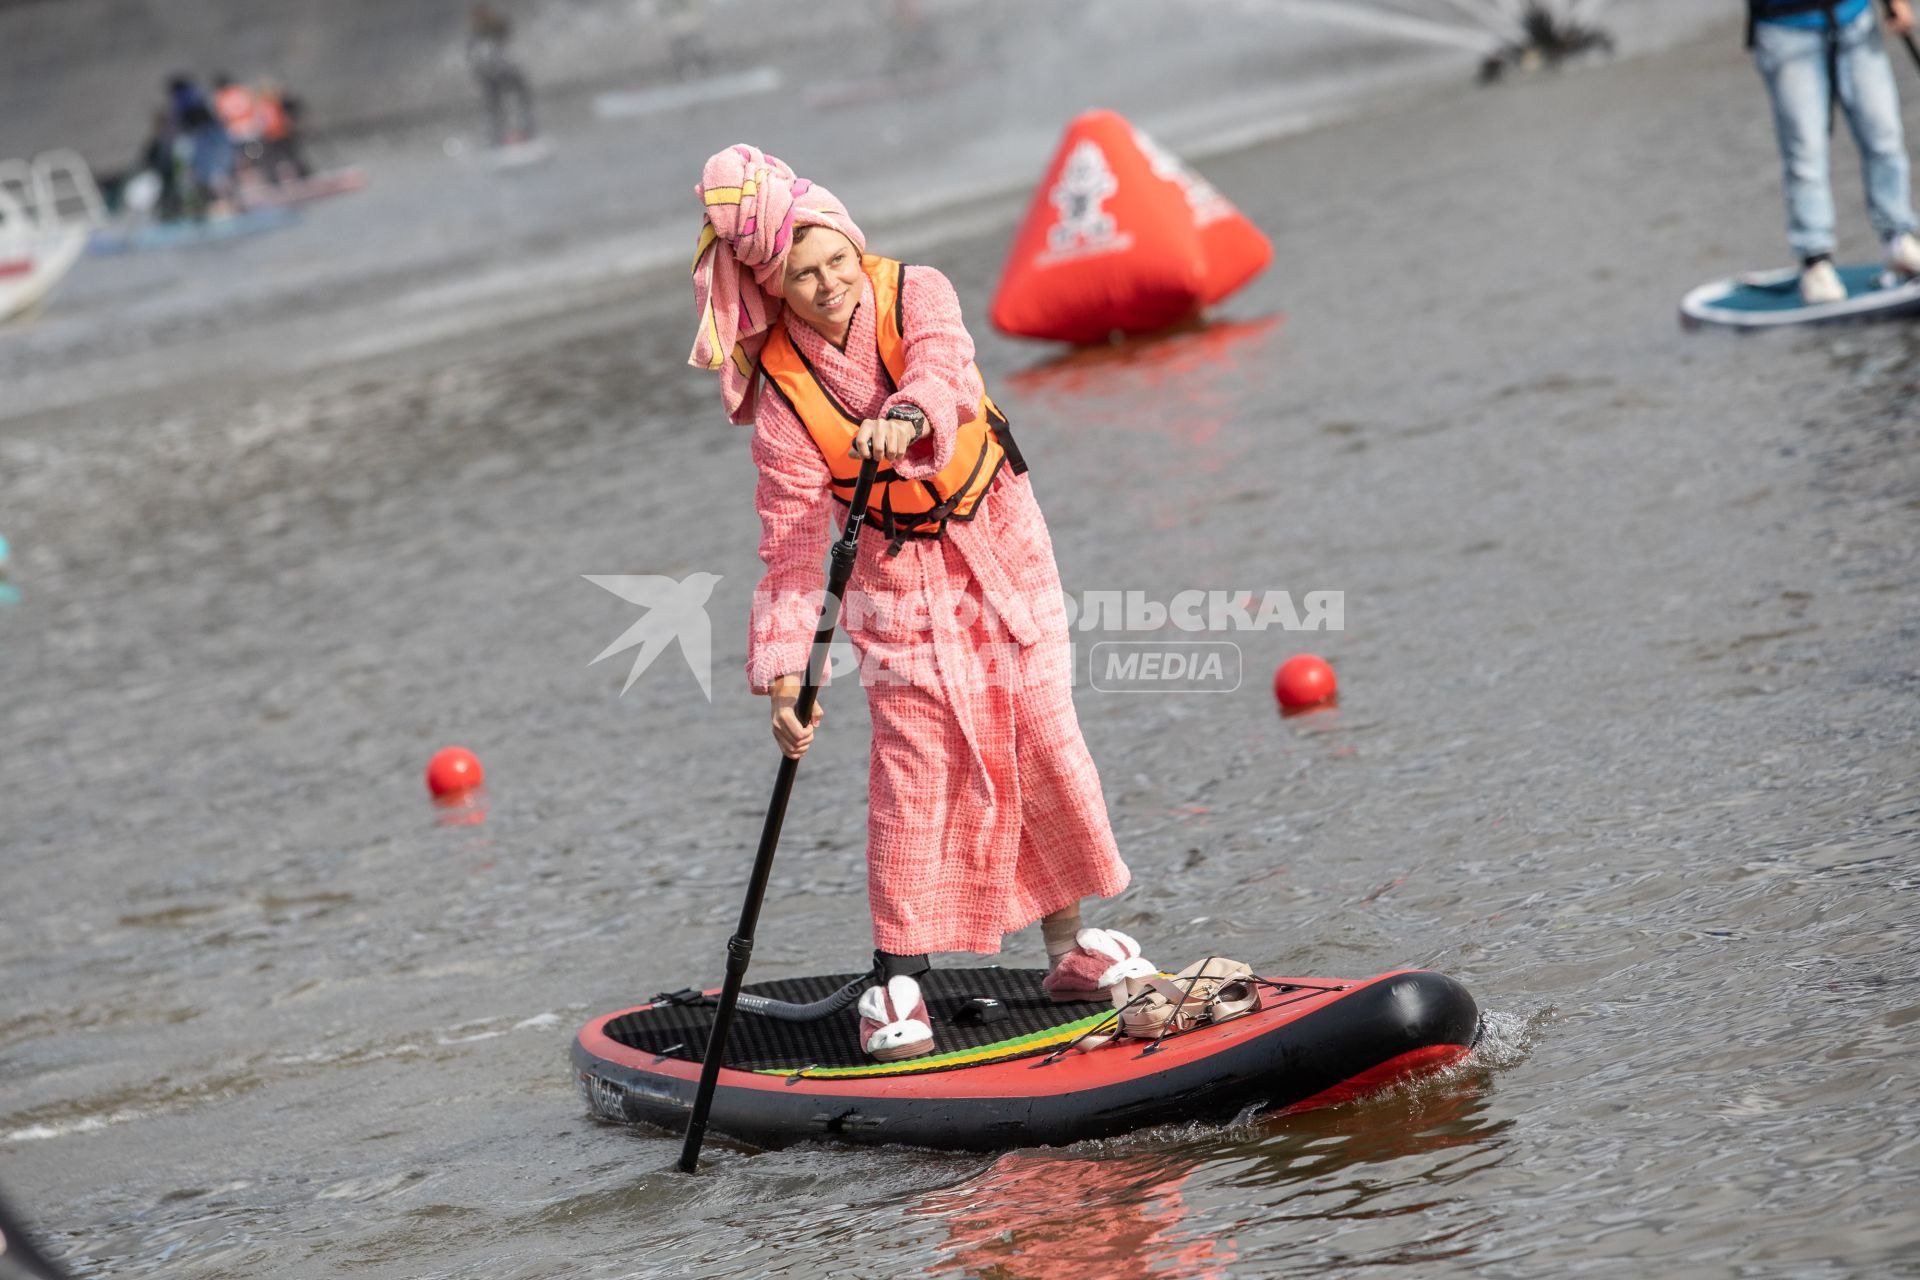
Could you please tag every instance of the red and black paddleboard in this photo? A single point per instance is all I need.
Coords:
(1016, 1080)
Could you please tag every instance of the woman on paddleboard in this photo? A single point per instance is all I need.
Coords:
(985, 812)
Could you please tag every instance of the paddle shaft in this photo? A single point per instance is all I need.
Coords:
(18, 1256)
(740, 945)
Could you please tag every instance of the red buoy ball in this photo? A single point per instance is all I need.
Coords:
(454, 770)
(1303, 681)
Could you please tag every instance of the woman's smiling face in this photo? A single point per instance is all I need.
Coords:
(822, 280)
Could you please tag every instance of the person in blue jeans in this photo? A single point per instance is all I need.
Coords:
(1813, 53)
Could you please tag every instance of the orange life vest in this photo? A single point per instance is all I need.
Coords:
(270, 114)
(234, 105)
(901, 509)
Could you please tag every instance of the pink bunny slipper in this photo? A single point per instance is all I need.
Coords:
(893, 1021)
(1103, 960)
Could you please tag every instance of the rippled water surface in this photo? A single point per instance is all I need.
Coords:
(1626, 743)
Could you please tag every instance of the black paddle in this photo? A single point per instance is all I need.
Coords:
(19, 1260)
(740, 945)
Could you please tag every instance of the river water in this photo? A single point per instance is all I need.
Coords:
(1626, 743)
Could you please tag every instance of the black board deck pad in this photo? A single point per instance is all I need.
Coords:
(1034, 1024)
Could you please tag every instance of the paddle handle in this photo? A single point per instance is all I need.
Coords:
(740, 945)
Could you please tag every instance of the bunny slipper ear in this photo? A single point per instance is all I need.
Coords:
(903, 993)
(1096, 941)
(1121, 949)
(1110, 943)
(892, 1002)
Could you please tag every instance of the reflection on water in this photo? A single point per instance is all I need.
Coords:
(1421, 1119)
(1168, 358)
(1135, 398)
(462, 809)
(1042, 1215)
(1175, 1202)
(1183, 384)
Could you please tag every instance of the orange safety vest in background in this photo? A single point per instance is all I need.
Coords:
(901, 509)
(234, 105)
(270, 114)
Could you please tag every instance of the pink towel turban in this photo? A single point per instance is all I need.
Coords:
(753, 203)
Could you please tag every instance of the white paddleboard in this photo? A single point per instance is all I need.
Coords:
(512, 155)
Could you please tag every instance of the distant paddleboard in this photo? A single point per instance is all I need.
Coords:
(511, 155)
(846, 93)
(260, 194)
(139, 236)
(1768, 299)
(638, 103)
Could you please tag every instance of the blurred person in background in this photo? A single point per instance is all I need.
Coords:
(915, 42)
(201, 149)
(237, 111)
(1812, 54)
(235, 105)
(183, 95)
(209, 158)
(686, 38)
(280, 147)
(499, 76)
(159, 157)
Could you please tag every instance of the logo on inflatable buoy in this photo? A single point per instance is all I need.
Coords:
(1203, 197)
(1084, 227)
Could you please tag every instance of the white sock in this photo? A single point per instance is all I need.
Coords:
(1060, 929)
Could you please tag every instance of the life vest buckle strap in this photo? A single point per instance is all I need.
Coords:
(1003, 432)
(1015, 458)
(886, 476)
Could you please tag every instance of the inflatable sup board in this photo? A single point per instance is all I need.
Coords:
(516, 155)
(141, 236)
(333, 182)
(1767, 299)
(1013, 1078)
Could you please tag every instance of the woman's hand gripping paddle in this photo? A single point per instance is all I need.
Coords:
(740, 945)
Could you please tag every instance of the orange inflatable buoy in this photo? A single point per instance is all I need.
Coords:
(1121, 237)
(454, 771)
(1304, 680)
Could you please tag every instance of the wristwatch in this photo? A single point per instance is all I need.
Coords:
(911, 413)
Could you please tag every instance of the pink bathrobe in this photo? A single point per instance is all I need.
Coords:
(984, 807)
